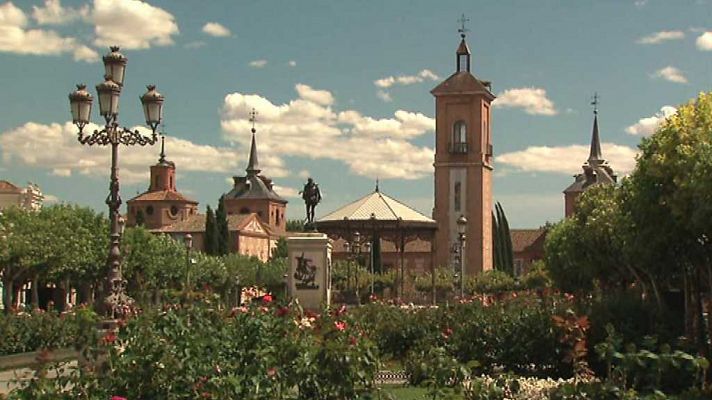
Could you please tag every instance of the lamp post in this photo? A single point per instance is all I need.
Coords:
(462, 231)
(368, 249)
(188, 240)
(113, 135)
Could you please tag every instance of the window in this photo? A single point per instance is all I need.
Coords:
(244, 210)
(149, 210)
(457, 194)
(459, 137)
(462, 61)
(174, 211)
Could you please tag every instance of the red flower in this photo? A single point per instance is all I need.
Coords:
(353, 340)
(447, 333)
(282, 311)
(267, 298)
(109, 338)
(272, 372)
(118, 398)
(340, 325)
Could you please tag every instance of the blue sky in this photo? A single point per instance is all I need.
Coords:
(342, 89)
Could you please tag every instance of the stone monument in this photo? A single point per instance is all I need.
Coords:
(309, 276)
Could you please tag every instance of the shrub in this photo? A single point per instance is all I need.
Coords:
(491, 282)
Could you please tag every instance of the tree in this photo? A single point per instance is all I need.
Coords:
(211, 233)
(295, 225)
(503, 253)
(140, 218)
(280, 251)
(223, 236)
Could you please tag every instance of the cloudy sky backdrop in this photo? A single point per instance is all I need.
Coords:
(342, 90)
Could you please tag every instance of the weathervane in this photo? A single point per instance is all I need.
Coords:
(462, 28)
(253, 119)
(594, 102)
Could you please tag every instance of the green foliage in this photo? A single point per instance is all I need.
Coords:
(210, 245)
(261, 352)
(537, 277)
(223, 233)
(445, 282)
(40, 330)
(502, 388)
(516, 334)
(295, 225)
(490, 282)
(503, 253)
(437, 370)
(280, 251)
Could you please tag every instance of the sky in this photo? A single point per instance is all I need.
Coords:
(342, 91)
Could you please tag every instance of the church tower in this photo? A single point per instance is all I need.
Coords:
(463, 165)
(595, 170)
(162, 204)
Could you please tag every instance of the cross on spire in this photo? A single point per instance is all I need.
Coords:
(594, 102)
(253, 119)
(462, 28)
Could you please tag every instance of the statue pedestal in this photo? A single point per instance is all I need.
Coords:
(309, 276)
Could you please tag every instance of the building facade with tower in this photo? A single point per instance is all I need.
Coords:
(596, 170)
(28, 198)
(463, 165)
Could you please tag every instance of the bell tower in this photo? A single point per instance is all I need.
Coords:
(463, 165)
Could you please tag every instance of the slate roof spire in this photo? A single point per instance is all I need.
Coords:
(463, 52)
(595, 156)
(253, 167)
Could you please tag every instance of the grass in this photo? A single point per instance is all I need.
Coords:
(408, 393)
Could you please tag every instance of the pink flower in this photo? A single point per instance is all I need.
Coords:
(109, 338)
(118, 398)
(272, 372)
(340, 325)
(267, 298)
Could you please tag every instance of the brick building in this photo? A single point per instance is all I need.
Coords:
(29, 197)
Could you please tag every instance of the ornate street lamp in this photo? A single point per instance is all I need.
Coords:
(462, 231)
(113, 135)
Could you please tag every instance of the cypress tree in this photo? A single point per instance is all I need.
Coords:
(211, 232)
(376, 249)
(140, 218)
(223, 235)
(496, 244)
(507, 236)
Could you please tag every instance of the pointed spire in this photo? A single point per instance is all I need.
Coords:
(253, 167)
(162, 158)
(463, 52)
(377, 189)
(595, 156)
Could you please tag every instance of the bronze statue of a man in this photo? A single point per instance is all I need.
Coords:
(312, 197)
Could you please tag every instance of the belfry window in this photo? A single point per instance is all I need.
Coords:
(459, 137)
(462, 62)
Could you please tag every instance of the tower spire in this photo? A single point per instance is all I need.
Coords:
(162, 157)
(253, 167)
(595, 156)
(463, 52)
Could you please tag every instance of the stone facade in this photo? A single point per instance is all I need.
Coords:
(29, 197)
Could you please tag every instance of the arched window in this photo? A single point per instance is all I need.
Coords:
(459, 137)
(457, 195)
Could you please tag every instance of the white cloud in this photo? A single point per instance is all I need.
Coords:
(132, 24)
(216, 29)
(52, 13)
(50, 199)
(321, 97)
(532, 100)
(567, 159)
(16, 38)
(292, 63)
(421, 76)
(287, 192)
(258, 63)
(304, 174)
(704, 41)
(662, 36)
(385, 96)
(68, 157)
(671, 74)
(308, 127)
(648, 125)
